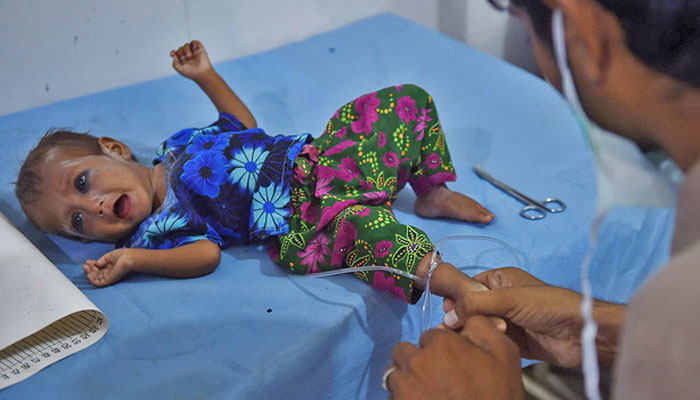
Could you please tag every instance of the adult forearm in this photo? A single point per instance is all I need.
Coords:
(609, 317)
(223, 98)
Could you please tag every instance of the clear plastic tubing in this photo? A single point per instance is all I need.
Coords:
(434, 262)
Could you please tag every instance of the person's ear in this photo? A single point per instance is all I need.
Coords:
(114, 148)
(590, 32)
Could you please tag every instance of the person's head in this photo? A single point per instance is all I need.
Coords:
(83, 187)
(635, 65)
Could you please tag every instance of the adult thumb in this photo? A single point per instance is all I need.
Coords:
(448, 281)
(494, 303)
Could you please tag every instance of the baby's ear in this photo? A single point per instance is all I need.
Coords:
(113, 147)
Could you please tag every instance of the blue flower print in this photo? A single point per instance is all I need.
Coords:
(209, 130)
(247, 163)
(162, 227)
(295, 149)
(255, 137)
(270, 209)
(222, 231)
(204, 173)
(176, 141)
(207, 142)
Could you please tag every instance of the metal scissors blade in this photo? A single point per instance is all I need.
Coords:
(533, 209)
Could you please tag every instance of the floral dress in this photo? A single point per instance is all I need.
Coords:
(346, 180)
(226, 183)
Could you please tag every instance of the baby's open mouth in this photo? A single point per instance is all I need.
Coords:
(122, 206)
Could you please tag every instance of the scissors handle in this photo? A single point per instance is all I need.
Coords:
(533, 209)
(533, 212)
(548, 202)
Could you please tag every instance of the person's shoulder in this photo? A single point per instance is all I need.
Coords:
(229, 123)
(674, 285)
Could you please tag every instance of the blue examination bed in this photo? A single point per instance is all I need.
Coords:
(251, 330)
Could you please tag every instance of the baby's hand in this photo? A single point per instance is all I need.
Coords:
(191, 60)
(108, 269)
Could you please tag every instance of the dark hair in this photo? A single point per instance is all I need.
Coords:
(663, 34)
(29, 176)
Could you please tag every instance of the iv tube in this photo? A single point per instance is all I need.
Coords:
(427, 299)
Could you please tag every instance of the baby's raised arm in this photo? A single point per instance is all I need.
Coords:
(191, 61)
(187, 261)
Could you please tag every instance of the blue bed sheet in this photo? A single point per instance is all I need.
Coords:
(250, 330)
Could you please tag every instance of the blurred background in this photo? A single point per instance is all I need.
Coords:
(53, 50)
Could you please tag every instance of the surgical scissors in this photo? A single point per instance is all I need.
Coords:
(533, 209)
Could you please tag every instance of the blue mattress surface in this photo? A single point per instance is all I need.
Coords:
(251, 330)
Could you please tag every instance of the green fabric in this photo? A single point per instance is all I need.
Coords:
(347, 179)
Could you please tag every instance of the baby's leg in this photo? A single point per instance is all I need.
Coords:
(441, 202)
(448, 275)
(430, 164)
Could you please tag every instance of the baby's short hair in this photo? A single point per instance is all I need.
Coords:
(29, 176)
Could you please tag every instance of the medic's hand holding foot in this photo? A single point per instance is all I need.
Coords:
(632, 69)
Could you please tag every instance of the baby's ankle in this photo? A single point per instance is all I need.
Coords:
(448, 272)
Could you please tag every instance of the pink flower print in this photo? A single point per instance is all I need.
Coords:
(432, 161)
(365, 185)
(382, 248)
(423, 184)
(375, 198)
(273, 250)
(311, 151)
(387, 284)
(324, 172)
(299, 174)
(344, 240)
(381, 139)
(406, 108)
(390, 159)
(401, 177)
(366, 107)
(342, 132)
(363, 213)
(315, 253)
(348, 169)
(336, 115)
(339, 147)
(422, 122)
(309, 212)
(323, 187)
(399, 88)
(325, 179)
(328, 213)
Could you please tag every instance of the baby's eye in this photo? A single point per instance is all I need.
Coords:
(77, 222)
(81, 182)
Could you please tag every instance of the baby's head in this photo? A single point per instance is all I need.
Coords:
(83, 187)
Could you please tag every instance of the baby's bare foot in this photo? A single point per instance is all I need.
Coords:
(441, 202)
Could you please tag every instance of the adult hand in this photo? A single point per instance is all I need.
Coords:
(543, 320)
(191, 60)
(479, 362)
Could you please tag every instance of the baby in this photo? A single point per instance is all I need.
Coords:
(321, 203)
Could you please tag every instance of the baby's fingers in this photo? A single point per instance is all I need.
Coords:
(185, 50)
(181, 54)
(87, 267)
(94, 274)
(104, 261)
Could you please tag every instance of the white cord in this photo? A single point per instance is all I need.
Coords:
(591, 373)
(426, 323)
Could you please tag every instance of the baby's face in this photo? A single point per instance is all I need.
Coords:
(93, 197)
